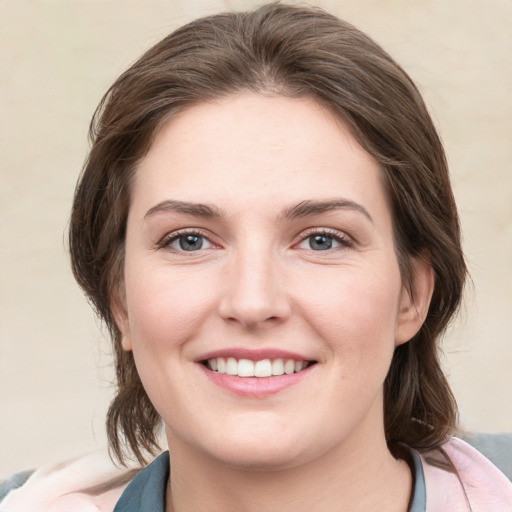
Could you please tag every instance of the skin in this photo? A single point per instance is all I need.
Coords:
(258, 283)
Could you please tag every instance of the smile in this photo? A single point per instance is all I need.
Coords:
(261, 368)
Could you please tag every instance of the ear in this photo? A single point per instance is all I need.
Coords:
(415, 300)
(120, 313)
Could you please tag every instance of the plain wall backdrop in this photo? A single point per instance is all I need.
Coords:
(57, 58)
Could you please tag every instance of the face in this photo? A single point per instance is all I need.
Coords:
(262, 296)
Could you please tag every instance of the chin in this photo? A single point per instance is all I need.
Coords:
(255, 449)
(260, 459)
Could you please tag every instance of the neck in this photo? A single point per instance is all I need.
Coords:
(344, 479)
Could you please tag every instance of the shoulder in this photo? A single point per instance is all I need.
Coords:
(497, 447)
(13, 482)
(459, 478)
(87, 483)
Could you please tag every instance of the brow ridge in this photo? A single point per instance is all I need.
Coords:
(197, 209)
(315, 207)
(302, 209)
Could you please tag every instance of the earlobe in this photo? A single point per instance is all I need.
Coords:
(126, 343)
(415, 300)
(118, 308)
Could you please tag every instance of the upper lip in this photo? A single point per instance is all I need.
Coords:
(253, 354)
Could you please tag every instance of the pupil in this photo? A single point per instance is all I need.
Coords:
(320, 243)
(191, 242)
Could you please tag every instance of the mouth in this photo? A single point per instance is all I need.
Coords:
(258, 368)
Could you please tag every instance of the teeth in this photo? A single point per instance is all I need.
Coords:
(231, 366)
(248, 368)
(277, 367)
(289, 367)
(263, 368)
(245, 368)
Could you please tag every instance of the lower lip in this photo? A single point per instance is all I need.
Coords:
(255, 386)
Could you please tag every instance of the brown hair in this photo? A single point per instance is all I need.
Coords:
(290, 51)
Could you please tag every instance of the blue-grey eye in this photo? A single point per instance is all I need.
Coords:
(190, 242)
(320, 242)
(323, 242)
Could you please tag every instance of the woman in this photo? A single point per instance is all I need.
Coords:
(266, 225)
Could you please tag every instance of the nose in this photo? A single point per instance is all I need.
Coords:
(254, 295)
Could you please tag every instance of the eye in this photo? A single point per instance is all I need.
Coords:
(189, 241)
(324, 241)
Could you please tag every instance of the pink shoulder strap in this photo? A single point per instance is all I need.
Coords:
(458, 478)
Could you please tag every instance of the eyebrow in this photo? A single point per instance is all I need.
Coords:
(197, 209)
(314, 207)
(299, 210)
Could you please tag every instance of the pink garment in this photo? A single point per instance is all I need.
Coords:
(458, 478)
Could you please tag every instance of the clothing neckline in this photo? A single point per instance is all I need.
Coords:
(147, 490)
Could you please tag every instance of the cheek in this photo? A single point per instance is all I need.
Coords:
(358, 306)
(166, 312)
(165, 308)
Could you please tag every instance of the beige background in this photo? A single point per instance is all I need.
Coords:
(56, 60)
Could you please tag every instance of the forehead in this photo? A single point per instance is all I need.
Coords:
(257, 149)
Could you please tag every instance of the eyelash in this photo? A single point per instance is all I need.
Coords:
(341, 238)
(167, 240)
